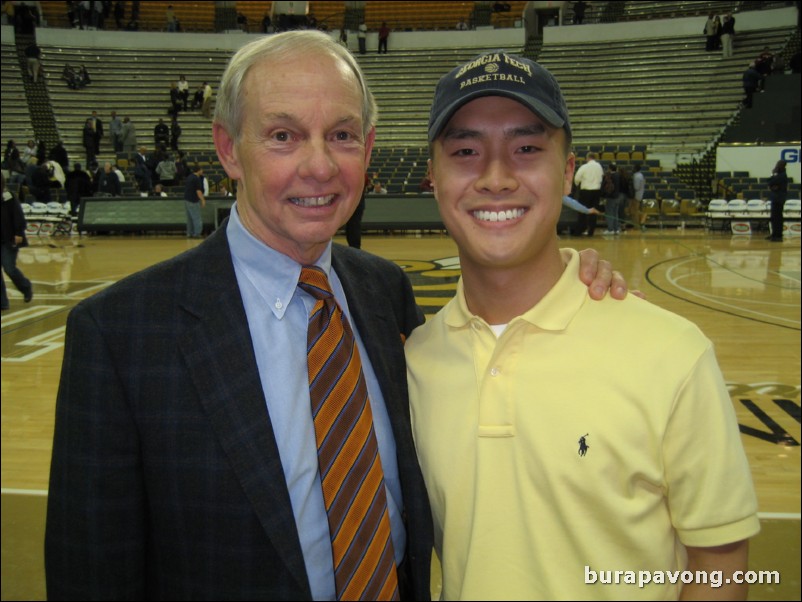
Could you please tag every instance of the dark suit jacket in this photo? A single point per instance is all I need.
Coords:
(166, 481)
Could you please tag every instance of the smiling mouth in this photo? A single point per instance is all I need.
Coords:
(312, 201)
(498, 216)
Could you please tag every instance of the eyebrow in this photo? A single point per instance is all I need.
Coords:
(288, 117)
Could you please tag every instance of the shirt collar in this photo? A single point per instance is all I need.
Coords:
(272, 273)
(553, 313)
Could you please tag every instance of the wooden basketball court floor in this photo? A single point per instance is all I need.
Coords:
(743, 292)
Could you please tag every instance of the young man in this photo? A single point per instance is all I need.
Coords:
(185, 457)
(547, 461)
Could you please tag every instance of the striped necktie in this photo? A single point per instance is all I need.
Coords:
(348, 455)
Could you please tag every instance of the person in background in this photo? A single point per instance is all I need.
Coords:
(183, 91)
(115, 131)
(378, 188)
(194, 201)
(353, 227)
(206, 108)
(33, 59)
(362, 36)
(778, 191)
(637, 216)
(384, 36)
(727, 35)
(13, 239)
(589, 179)
(540, 476)
(78, 184)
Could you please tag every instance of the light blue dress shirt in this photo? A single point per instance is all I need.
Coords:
(277, 312)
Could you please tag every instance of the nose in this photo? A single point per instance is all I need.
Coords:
(318, 162)
(496, 177)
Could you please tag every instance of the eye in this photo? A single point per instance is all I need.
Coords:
(281, 136)
(464, 152)
(528, 148)
(346, 136)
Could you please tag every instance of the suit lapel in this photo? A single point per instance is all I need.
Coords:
(219, 356)
(373, 317)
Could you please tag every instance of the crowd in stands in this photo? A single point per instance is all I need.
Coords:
(33, 173)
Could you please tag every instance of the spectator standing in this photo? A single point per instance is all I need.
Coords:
(116, 132)
(384, 36)
(778, 191)
(78, 184)
(166, 170)
(579, 12)
(119, 14)
(128, 135)
(206, 109)
(727, 35)
(12, 222)
(764, 64)
(362, 36)
(33, 59)
(639, 186)
(612, 204)
(751, 82)
(89, 142)
(97, 128)
(711, 33)
(589, 179)
(194, 200)
(267, 26)
(170, 18)
(353, 227)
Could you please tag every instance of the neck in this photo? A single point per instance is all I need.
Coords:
(498, 295)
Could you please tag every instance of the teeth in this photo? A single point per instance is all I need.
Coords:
(498, 216)
(312, 201)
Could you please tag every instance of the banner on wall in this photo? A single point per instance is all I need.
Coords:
(758, 161)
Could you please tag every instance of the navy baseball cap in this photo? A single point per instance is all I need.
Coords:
(499, 74)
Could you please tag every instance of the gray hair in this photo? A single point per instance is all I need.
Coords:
(277, 47)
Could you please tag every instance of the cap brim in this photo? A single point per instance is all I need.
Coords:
(533, 104)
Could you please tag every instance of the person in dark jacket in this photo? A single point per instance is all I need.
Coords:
(13, 237)
(778, 187)
(77, 184)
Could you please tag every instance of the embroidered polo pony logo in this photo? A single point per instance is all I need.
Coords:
(583, 445)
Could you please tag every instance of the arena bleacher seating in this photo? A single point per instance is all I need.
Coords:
(631, 101)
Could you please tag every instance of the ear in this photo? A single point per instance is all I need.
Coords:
(430, 173)
(568, 176)
(226, 151)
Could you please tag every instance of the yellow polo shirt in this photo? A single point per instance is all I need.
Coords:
(590, 436)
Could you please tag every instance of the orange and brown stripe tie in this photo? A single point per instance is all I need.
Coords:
(348, 455)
